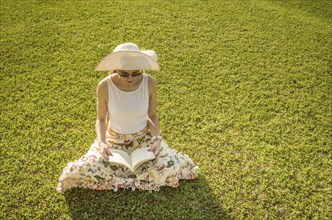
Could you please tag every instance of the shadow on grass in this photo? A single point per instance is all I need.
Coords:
(192, 200)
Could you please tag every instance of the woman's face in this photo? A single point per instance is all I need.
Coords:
(130, 76)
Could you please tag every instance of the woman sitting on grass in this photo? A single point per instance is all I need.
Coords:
(130, 97)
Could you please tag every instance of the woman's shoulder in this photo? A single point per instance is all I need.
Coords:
(151, 80)
(102, 87)
(152, 84)
(103, 83)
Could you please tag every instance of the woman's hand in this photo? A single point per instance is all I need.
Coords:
(105, 152)
(155, 147)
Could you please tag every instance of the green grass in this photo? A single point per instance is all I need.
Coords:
(245, 91)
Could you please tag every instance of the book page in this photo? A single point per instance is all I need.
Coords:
(141, 155)
(120, 157)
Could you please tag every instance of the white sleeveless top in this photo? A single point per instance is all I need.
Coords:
(128, 111)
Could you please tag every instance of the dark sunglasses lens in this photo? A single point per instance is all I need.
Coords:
(124, 74)
(136, 74)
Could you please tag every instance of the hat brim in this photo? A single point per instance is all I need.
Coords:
(128, 60)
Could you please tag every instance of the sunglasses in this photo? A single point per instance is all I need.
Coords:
(126, 74)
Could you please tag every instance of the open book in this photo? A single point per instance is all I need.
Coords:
(132, 161)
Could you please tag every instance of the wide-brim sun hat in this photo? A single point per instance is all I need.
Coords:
(128, 56)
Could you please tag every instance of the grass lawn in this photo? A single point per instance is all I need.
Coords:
(244, 90)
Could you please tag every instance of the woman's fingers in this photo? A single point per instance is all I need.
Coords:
(105, 155)
(105, 152)
(151, 148)
(157, 151)
(109, 153)
(155, 148)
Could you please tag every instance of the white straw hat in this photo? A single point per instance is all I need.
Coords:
(128, 56)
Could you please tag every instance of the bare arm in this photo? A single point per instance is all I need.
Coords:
(153, 120)
(102, 95)
(102, 98)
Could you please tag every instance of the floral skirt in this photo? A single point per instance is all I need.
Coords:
(94, 172)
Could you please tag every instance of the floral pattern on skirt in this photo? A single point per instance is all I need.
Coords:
(94, 172)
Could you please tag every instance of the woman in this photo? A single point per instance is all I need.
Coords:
(130, 98)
